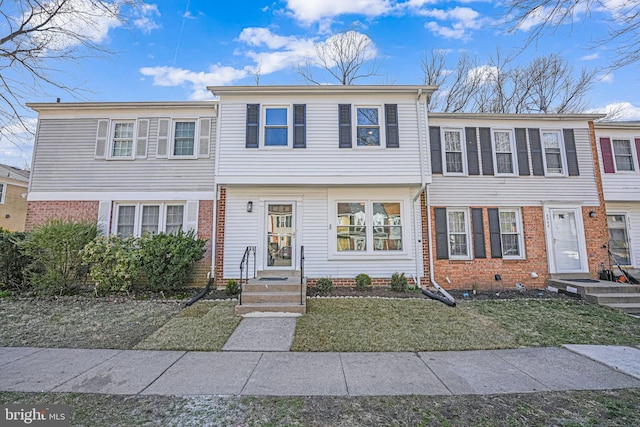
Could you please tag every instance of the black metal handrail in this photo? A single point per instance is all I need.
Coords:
(301, 274)
(245, 263)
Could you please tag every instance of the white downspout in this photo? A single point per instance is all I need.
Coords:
(423, 184)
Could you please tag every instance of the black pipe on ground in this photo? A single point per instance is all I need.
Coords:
(439, 298)
(202, 293)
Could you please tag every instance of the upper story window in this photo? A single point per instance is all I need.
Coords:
(553, 153)
(148, 218)
(623, 155)
(276, 129)
(453, 152)
(2, 192)
(503, 147)
(184, 138)
(458, 231)
(368, 126)
(122, 141)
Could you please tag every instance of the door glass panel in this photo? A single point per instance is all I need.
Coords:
(619, 240)
(565, 240)
(280, 228)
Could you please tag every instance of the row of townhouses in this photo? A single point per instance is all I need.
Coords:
(361, 179)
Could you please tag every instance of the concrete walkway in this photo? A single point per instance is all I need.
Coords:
(308, 374)
(262, 333)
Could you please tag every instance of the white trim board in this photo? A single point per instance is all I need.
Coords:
(42, 196)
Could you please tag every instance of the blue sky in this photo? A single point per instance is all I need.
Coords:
(174, 49)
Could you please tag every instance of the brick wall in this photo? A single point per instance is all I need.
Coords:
(480, 272)
(40, 212)
(205, 231)
(352, 281)
(220, 224)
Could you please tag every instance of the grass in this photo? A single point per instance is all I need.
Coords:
(575, 408)
(421, 325)
(81, 322)
(205, 326)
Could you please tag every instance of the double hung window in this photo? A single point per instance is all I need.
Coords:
(623, 155)
(122, 141)
(453, 153)
(511, 233)
(184, 137)
(553, 153)
(368, 126)
(148, 218)
(276, 129)
(369, 226)
(504, 152)
(459, 233)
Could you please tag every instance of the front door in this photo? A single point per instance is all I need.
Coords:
(280, 242)
(567, 252)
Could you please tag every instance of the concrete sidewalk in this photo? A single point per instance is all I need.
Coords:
(317, 374)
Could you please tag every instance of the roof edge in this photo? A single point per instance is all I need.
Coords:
(327, 89)
(40, 106)
(513, 116)
(632, 124)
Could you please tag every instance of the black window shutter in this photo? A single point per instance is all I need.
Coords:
(536, 152)
(479, 250)
(391, 117)
(442, 240)
(494, 233)
(472, 151)
(523, 153)
(253, 111)
(299, 126)
(436, 149)
(572, 155)
(344, 121)
(487, 152)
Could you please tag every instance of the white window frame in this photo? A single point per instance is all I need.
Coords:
(467, 222)
(634, 155)
(512, 143)
(196, 138)
(3, 192)
(627, 219)
(381, 128)
(462, 148)
(111, 142)
(520, 233)
(263, 126)
(137, 225)
(563, 155)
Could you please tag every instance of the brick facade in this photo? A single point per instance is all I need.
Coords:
(40, 212)
(220, 225)
(205, 231)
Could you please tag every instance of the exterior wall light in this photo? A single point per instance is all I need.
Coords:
(249, 206)
(592, 214)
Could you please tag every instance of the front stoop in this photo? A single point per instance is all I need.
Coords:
(616, 295)
(273, 291)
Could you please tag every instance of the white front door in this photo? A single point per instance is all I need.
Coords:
(281, 232)
(567, 242)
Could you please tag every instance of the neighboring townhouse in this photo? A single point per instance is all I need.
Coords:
(13, 198)
(514, 199)
(338, 170)
(619, 153)
(143, 167)
(343, 176)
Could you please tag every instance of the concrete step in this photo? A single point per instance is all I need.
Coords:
(608, 298)
(272, 286)
(631, 308)
(271, 308)
(278, 273)
(595, 287)
(271, 297)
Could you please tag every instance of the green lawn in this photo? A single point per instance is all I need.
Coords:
(421, 325)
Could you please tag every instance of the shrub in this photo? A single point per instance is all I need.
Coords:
(12, 262)
(232, 288)
(168, 260)
(55, 249)
(398, 282)
(114, 263)
(363, 282)
(324, 286)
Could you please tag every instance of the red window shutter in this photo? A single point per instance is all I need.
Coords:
(638, 151)
(607, 155)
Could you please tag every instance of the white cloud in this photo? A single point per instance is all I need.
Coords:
(606, 78)
(463, 20)
(16, 143)
(282, 52)
(217, 75)
(591, 57)
(308, 12)
(621, 111)
(145, 15)
(483, 74)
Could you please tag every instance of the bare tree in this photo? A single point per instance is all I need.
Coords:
(546, 85)
(37, 36)
(346, 57)
(544, 16)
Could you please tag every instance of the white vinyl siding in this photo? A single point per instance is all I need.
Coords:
(64, 161)
(511, 233)
(504, 151)
(337, 166)
(619, 187)
(459, 234)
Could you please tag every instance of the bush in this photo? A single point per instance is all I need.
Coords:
(168, 260)
(114, 263)
(232, 288)
(12, 262)
(324, 286)
(363, 282)
(398, 282)
(55, 249)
